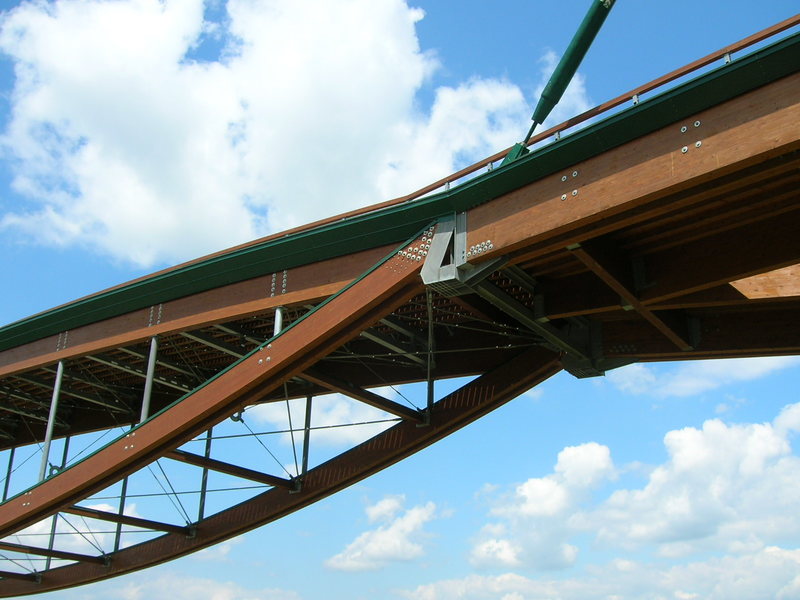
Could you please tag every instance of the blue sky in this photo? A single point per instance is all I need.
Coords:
(137, 134)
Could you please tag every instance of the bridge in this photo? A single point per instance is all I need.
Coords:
(662, 225)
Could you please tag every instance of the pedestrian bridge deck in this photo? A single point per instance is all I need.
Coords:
(667, 230)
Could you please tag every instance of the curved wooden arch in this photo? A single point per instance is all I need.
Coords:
(449, 414)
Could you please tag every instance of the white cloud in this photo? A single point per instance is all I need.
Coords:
(328, 413)
(397, 539)
(578, 468)
(694, 378)
(386, 508)
(538, 513)
(539, 497)
(584, 466)
(124, 144)
(634, 379)
(466, 123)
(534, 394)
(218, 553)
(768, 573)
(179, 587)
(788, 421)
(496, 552)
(724, 488)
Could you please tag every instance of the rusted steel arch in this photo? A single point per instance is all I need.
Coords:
(666, 232)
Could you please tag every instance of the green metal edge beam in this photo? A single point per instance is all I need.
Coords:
(397, 223)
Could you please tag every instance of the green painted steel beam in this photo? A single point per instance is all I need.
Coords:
(568, 65)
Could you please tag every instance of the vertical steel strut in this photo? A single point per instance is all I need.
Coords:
(148, 382)
(204, 480)
(307, 434)
(429, 302)
(10, 469)
(51, 420)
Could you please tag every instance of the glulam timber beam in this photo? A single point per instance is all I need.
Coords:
(378, 293)
(229, 469)
(642, 178)
(334, 384)
(456, 410)
(34, 577)
(50, 553)
(91, 513)
(307, 284)
(726, 256)
(759, 329)
(611, 270)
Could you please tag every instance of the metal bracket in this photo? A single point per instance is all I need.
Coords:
(446, 270)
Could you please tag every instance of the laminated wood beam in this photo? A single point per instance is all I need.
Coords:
(371, 297)
(306, 284)
(720, 258)
(28, 577)
(57, 554)
(371, 398)
(91, 513)
(451, 413)
(229, 469)
(610, 269)
(622, 184)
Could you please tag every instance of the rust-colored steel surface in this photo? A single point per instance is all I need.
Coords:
(678, 242)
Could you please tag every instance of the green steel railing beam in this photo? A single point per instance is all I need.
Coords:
(568, 65)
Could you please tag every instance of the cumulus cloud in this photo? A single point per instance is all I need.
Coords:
(336, 420)
(131, 140)
(725, 488)
(397, 538)
(771, 572)
(385, 509)
(181, 587)
(694, 378)
(498, 552)
(536, 530)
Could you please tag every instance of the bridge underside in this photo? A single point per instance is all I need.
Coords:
(681, 244)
